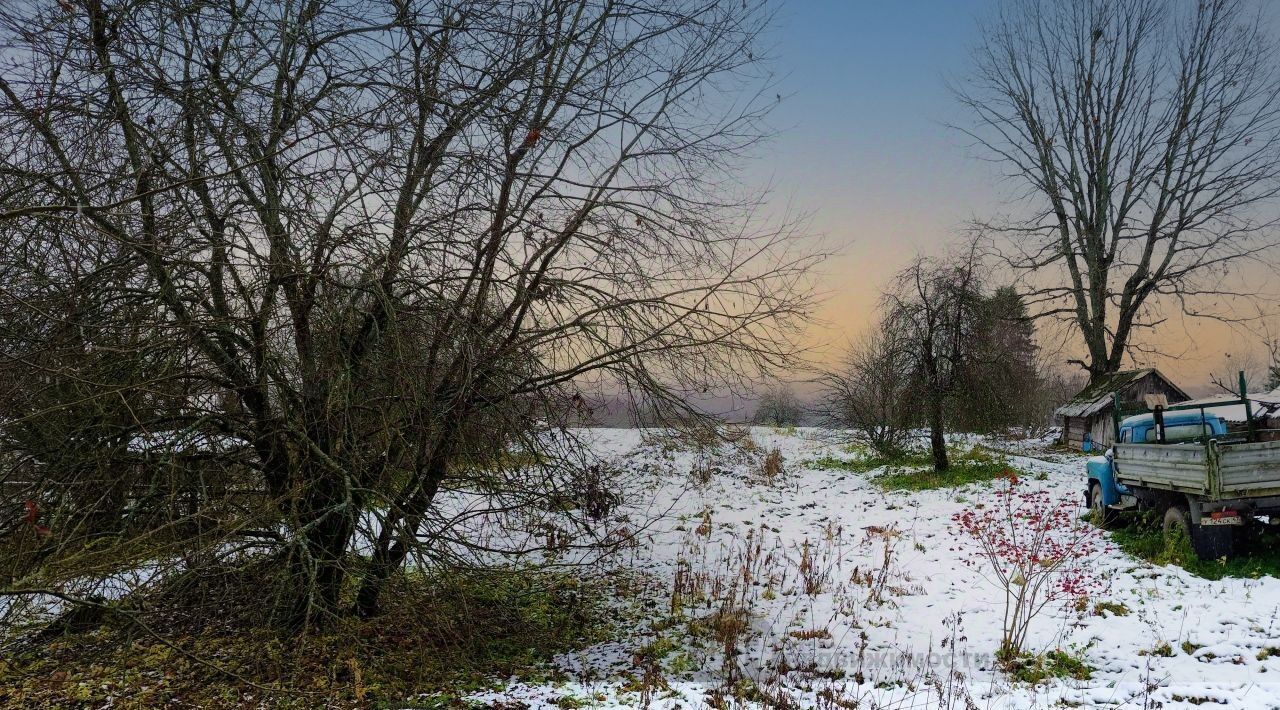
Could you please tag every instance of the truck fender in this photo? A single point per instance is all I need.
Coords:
(1100, 469)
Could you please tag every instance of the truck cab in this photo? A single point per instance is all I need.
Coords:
(1179, 427)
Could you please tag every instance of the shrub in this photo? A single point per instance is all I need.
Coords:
(771, 469)
(1033, 549)
(779, 407)
(871, 394)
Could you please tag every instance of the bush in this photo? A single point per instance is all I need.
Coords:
(779, 407)
(1034, 549)
(872, 394)
(772, 467)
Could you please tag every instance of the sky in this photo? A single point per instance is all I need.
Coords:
(865, 150)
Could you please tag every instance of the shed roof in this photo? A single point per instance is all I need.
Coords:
(1098, 395)
(1231, 409)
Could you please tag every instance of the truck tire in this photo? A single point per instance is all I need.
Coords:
(1177, 520)
(1102, 516)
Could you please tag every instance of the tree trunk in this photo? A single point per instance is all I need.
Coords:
(390, 550)
(937, 435)
(319, 566)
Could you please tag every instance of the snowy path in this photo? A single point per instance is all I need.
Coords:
(810, 551)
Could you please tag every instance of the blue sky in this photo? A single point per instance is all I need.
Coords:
(863, 145)
(865, 149)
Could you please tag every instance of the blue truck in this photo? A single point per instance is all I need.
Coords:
(1207, 480)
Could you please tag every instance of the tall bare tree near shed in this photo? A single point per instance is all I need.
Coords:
(1145, 138)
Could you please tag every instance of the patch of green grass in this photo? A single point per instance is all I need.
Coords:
(1057, 663)
(913, 470)
(1114, 608)
(974, 466)
(872, 461)
(1257, 551)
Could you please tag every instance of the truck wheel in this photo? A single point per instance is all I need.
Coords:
(1102, 516)
(1177, 521)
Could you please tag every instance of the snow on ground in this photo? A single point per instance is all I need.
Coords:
(805, 555)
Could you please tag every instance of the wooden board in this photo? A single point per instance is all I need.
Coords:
(1241, 470)
(1249, 470)
(1178, 467)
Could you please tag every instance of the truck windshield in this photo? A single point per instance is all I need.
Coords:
(1180, 432)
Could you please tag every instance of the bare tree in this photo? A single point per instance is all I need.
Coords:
(872, 393)
(987, 380)
(932, 310)
(376, 244)
(1143, 135)
(778, 406)
(1225, 376)
(1273, 366)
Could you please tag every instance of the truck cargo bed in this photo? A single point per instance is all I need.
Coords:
(1216, 470)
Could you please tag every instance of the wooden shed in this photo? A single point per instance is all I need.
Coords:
(1088, 416)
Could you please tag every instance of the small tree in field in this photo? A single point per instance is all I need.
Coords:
(986, 378)
(1034, 549)
(779, 407)
(872, 393)
(932, 311)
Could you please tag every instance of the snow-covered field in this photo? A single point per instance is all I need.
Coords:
(829, 624)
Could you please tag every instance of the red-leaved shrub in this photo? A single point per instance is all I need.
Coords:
(1032, 547)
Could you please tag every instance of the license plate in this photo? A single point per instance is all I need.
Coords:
(1224, 520)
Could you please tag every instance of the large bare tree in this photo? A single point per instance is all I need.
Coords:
(1143, 135)
(375, 241)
